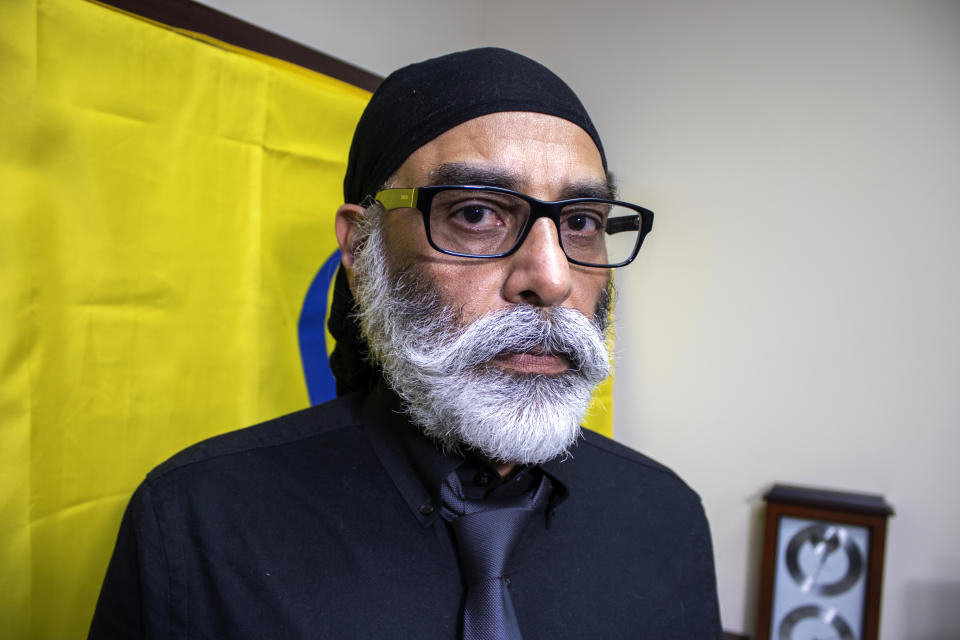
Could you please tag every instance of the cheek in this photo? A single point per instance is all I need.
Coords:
(404, 239)
(473, 288)
(588, 288)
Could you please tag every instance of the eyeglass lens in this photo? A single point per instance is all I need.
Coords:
(480, 223)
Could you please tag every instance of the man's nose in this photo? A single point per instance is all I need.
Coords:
(538, 273)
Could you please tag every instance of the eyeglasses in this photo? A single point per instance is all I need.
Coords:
(490, 222)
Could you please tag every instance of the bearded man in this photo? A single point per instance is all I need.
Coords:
(448, 492)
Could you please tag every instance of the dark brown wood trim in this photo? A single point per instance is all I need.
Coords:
(765, 608)
(866, 503)
(193, 16)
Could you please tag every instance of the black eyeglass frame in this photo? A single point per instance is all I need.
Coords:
(420, 199)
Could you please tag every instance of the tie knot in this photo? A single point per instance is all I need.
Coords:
(487, 531)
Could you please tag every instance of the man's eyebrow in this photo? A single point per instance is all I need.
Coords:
(604, 190)
(458, 173)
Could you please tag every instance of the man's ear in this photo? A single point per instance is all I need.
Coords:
(348, 216)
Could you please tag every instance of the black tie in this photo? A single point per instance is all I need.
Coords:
(486, 533)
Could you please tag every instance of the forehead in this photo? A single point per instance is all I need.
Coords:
(538, 154)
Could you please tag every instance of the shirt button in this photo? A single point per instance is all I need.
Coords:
(482, 479)
(426, 508)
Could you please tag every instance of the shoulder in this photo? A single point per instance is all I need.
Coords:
(612, 473)
(309, 462)
(598, 455)
(601, 447)
(335, 420)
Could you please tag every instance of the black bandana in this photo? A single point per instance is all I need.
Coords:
(419, 102)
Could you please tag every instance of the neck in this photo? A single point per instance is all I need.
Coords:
(505, 469)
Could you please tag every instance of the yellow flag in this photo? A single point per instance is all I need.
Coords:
(166, 215)
(166, 206)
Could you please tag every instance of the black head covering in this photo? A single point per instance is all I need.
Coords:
(417, 103)
(413, 106)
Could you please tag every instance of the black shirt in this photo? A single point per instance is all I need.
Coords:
(325, 524)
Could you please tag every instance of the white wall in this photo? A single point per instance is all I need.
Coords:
(377, 35)
(794, 316)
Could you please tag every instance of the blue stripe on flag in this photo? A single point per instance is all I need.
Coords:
(313, 348)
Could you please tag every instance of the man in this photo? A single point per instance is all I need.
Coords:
(448, 491)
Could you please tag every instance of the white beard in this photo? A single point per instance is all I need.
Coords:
(443, 373)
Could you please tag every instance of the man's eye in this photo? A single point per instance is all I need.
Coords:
(582, 223)
(476, 215)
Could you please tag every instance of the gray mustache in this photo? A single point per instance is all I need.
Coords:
(523, 328)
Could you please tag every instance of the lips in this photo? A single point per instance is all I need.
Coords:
(535, 361)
